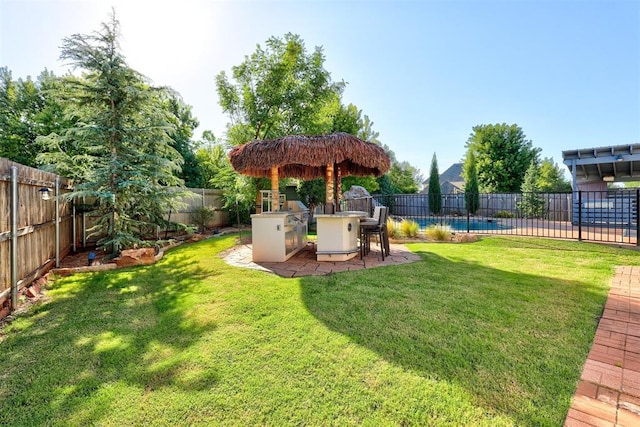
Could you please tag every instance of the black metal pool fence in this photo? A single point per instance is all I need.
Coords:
(603, 216)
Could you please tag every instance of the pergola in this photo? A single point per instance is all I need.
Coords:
(603, 164)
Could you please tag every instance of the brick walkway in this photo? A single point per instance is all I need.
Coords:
(304, 263)
(608, 393)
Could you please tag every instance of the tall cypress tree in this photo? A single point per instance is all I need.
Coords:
(435, 192)
(122, 156)
(471, 188)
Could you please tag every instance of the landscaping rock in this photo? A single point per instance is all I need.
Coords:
(358, 198)
(355, 192)
(196, 238)
(33, 291)
(130, 257)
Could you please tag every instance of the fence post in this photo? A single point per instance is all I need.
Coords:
(14, 237)
(579, 215)
(637, 217)
(57, 221)
(468, 220)
(84, 223)
(73, 224)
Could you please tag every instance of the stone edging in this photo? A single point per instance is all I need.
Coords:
(65, 271)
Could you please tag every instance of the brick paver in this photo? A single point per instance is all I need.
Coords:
(608, 393)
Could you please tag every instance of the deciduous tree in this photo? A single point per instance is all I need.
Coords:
(28, 109)
(551, 177)
(503, 155)
(183, 123)
(403, 177)
(277, 90)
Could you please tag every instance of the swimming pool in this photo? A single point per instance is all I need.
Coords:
(460, 224)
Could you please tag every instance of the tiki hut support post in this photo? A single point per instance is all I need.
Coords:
(329, 185)
(338, 187)
(275, 195)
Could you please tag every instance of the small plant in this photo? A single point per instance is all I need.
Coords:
(393, 228)
(202, 216)
(409, 228)
(438, 233)
(504, 214)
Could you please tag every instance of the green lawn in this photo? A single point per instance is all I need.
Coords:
(487, 333)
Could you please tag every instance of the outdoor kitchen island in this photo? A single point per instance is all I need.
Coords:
(277, 236)
(338, 235)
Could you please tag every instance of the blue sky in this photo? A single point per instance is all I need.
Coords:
(425, 72)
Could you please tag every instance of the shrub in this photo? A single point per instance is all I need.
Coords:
(504, 214)
(438, 233)
(202, 216)
(409, 228)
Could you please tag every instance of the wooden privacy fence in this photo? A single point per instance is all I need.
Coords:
(28, 226)
(201, 197)
(28, 232)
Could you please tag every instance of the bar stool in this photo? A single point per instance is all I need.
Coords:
(375, 226)
(365, 224)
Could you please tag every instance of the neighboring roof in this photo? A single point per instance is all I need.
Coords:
(450, 179)
(616, 162)
(307, 156)
(453, 174)
(451, 187)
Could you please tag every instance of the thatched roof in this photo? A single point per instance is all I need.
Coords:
(307, 156)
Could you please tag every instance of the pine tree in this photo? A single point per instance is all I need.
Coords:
(122, 155)
(435, 192)
(471, 188)
(532, 205)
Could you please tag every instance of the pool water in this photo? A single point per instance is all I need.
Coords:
(460, 224)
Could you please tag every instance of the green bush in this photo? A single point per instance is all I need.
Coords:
(409, 228)
(438, 233)
(504, 214)
(202, 216)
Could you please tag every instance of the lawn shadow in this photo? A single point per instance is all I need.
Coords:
(126, 325)
(516, 342)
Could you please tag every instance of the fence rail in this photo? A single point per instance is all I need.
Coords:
(603, 216)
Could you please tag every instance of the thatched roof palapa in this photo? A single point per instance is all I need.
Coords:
(307, 156)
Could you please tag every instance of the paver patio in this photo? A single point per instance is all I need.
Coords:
(304, 263)
(608, 392)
